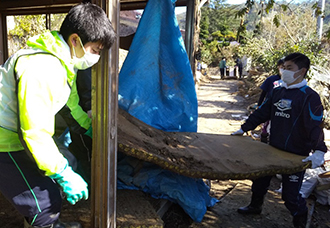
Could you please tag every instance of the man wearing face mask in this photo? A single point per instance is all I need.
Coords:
(296, 113)
(35, 84)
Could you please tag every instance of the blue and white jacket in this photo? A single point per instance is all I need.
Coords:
(296, 115)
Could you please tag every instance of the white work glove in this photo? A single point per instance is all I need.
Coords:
(238, 133)
(317, 159)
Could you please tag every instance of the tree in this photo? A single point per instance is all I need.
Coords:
(295, 31)
(218, 27)
(27, 26)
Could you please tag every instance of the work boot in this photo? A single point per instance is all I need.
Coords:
(57, 224)
(300, 221)
(255, 207)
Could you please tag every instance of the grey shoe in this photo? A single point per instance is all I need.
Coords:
(250, 210)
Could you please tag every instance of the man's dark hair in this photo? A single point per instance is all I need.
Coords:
(91, 24)
(301, 60)
(280, 62)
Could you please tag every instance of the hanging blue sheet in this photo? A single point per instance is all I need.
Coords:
(156, 84)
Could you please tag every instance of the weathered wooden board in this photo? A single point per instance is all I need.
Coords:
(199, 155)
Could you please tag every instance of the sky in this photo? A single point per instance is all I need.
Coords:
(234, 2)
(182, 9)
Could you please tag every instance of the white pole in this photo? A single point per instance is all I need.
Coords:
(320, 19)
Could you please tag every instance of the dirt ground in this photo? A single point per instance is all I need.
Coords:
(222, 107)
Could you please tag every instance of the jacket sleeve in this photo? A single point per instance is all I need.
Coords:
(261, 115)
(313, 120)
(78, 114)
(262, 97)
(42, 90)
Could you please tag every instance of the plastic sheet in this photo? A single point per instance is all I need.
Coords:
(156, 84)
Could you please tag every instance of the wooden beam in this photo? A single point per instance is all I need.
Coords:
(3, 39)
(2, 45)
(24, 7)
(105, 109)
(139, 4)
(36, 11)
(191, 27)
(29, 7)
(15, 7)
(28, 4)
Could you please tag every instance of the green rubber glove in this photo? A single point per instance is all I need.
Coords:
(89, 132)
(73, 185)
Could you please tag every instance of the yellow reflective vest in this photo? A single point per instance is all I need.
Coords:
(35, 84)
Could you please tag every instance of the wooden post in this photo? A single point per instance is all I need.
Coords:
(48, 22)
(190, 29)
(3, 39)
(104, 111)
(193, 16)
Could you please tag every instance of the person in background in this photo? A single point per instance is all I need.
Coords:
(296, 113)
(239, 65)
(198, 72)
(267, 88)
(35, 84)
(223, 67)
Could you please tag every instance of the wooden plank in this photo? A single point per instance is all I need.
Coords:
(325, 174)
(199, 155)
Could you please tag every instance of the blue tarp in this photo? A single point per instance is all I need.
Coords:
(191, 194)
(156, 85)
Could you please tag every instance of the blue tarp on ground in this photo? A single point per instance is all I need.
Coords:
(156, 85)
(191, 194)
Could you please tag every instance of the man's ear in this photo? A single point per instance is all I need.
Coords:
(72, 42)
(73, 39)
(304, 71)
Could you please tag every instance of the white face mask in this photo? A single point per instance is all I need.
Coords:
(86, 61)
(287, 76)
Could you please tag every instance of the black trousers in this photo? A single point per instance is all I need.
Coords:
(35, 196)
(222, 72)
(291, 184)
